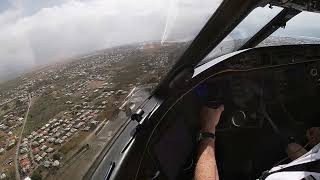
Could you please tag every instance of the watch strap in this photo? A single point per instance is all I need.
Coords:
(205, 135)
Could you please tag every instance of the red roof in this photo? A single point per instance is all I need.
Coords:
(35, 150)
(24, 162)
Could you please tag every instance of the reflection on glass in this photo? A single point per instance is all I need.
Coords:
(301, 29)
(244, 31)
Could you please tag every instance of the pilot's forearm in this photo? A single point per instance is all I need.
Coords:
(206, 168)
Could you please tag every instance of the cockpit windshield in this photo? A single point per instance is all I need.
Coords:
(72, 71)
(257, 19)
(302, 29)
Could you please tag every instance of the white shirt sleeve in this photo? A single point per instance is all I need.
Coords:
(312, 155)
(298, 175)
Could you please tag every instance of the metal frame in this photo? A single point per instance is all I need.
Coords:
(228, 15)
(279, 21)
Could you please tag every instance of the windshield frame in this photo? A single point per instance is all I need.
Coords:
(205, 41)
(277, 22)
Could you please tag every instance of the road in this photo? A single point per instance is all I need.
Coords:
(16, 159)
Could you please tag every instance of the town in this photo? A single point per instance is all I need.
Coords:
(47, 115)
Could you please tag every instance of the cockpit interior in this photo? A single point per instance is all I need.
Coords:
(270, 99)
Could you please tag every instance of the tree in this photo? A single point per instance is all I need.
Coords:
(56, 156)
(5, 107)
(36, 176)
(18, 102)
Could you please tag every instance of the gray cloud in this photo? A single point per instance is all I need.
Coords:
(304, 24)
(52, 30)
(35, 33)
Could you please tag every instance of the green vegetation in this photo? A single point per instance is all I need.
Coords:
(2, 138)
(11, 84)
(11, 174)
(36, 175)
(53, 86)
(6, 108)
(74, 142)
(43, 109)
(57, 156)
(92, 97)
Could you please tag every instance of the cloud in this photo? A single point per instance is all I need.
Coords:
(55, 29)
(4, 5)
(34, 34)
(304, 24)
(296, 27)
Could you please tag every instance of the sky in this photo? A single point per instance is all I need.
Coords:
(39, 32)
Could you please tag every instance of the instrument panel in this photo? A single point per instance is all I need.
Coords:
(270, 85)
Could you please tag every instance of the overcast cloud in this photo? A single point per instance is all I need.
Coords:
(37, 32)
(43, 31)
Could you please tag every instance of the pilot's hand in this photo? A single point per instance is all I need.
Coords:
(313, 135)
(210, 118)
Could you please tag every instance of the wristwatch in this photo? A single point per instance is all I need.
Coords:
(205, 135)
